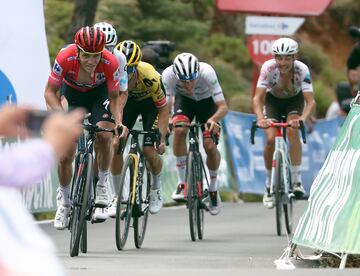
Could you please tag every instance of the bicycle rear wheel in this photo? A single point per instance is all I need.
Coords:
(277, 186)
(123, 206)
(140, 222)
(192, 202)
(199, 190)
(80, 201)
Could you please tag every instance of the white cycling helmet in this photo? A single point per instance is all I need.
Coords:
(110, 32)
(285, 46)
(186, 67)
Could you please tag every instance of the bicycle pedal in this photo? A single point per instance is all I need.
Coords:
(204, 206)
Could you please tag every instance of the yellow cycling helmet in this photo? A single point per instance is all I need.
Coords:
(131, 50)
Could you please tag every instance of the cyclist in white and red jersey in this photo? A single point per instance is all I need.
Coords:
(284, 88)
(197, 92)
(88, 76)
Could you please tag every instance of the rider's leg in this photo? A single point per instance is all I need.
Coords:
(155, 164)
(63, 192)
(268, 154)
(212, 161)
(295, 151)
(104, 154)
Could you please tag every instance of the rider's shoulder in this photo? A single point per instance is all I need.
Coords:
(147, 71)
(300, 65)
(107, 57)
(206, 70)
(168, 73)
(68, 51)
(269, 65)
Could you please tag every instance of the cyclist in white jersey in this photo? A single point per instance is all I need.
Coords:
(101, 214)
(284, 88)
(196, 92)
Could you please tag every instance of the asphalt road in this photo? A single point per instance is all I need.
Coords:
(241, 239)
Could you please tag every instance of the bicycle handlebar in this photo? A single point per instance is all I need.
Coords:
(192, 126)
(283, 125)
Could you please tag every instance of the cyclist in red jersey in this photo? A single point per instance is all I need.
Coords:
(88, 76)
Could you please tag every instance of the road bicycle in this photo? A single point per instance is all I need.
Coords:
(194, 192)
(82, 194)
(281, 184)
(134, 192)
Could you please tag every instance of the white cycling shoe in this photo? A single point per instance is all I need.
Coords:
(268, 200)
(214, 203)
(100, 215)
(102, 196)
(112, 208)
(61, 219)
(156, 201)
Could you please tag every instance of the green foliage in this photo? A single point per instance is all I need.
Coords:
(237, 90)
(215, 37)
(57, 19)
(314, 57)
(230, 49)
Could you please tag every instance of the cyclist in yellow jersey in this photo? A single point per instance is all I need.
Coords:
(145, 98)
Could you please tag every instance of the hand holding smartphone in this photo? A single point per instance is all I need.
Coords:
(36, 119)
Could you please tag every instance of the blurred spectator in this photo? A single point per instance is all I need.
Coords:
(353, 61)
(346, 91)
(157, 53)
(25, 250)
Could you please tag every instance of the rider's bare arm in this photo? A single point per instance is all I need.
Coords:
(163, 121)
(116, 105)
(51, 97)
(309, 105)
(258, 105)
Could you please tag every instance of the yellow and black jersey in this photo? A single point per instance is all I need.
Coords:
(147, 85)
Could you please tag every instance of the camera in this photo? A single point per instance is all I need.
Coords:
(36, 119)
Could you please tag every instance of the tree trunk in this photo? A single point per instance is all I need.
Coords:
(84, 14)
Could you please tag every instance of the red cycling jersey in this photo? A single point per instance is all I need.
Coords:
(66, 68)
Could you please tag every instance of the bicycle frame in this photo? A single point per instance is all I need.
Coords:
(282, 147)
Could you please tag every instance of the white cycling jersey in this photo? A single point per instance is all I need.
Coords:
(270, 79)
(206, 86)
(123, 76)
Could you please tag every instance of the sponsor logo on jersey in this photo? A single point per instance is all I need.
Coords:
(307, 78)
(123, 80)
(116, 75)
(57, 69)
(103, 60)
(71, 58)
(105, 116)
(214, 82)
(99, 77)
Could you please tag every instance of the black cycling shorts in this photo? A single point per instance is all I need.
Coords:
(149, 114)
(275, 108)
(202, 110)
(95, 101)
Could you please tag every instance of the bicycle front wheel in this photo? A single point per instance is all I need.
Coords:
(200, 196)
(80, 203)
(83, 241)
(123, 206)
(277, 186)
(140, 221)
(288, 206)
(192, 199)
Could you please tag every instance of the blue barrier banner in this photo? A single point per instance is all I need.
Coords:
(248, 159)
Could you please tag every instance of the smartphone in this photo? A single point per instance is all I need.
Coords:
(36, 119)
